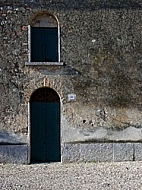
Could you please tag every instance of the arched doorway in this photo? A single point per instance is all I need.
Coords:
(45, 125)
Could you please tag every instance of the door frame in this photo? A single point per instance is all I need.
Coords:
(30, 128)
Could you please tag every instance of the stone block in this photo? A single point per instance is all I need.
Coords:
(138, 151)
(17, 154)
(122, 152)
(96, 152)
(70, 152)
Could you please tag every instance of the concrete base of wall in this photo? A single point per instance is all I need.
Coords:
(101, 152)
(17, 154)
(79, 152)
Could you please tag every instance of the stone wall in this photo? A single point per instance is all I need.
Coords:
(101, 48)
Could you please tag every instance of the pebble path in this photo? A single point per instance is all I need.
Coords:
(72, 176)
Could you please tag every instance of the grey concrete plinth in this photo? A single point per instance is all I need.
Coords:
(138, 151)
(79, 152)
(70, 152)
(97, 152)
(83, 152)
(101, 152)
(17, 154)
(123, 152)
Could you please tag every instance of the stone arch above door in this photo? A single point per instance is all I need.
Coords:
(45, 94)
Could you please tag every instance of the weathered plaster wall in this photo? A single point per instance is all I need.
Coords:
(101, 48)
(108, 89)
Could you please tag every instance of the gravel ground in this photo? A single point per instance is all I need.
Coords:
(72, 176)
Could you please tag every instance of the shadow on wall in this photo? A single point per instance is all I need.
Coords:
(64, 70)
(7, 138)
(80, 4)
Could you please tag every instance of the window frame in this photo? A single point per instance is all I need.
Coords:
(43, 63)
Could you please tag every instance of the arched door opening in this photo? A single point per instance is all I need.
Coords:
(45, 125)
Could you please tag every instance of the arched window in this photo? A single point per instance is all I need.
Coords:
(44, 42)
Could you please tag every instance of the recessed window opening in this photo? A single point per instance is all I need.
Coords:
(44, 38)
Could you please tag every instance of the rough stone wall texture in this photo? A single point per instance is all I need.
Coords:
(101, 47)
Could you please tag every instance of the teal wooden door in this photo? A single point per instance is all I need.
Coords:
(38, 132)
(52, 132)
(45, 131)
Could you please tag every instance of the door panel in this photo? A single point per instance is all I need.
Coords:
(53, 131)
(45, 132)
(38, 132)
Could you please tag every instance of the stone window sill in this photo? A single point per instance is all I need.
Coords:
(43, 63)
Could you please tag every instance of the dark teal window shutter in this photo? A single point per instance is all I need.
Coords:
(44, 44)
(52, 45)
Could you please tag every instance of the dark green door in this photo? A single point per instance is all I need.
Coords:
(45, 128)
